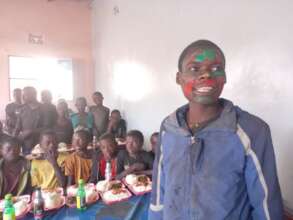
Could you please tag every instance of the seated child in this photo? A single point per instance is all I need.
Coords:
(117, 125)
(47, 172)
(108, 147)
(134, 159)
(154, 142)
(78, 165)
(14, 169)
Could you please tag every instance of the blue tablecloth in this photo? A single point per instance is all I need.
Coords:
(136, 208)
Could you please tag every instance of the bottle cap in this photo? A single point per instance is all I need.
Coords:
(8, 197)
(80, 181)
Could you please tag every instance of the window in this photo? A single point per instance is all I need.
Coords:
(42, 73)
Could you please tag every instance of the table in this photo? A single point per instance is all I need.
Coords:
(136, 208)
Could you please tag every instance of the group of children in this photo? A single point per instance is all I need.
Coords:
(55, 169)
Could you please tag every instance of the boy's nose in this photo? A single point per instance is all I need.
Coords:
(205, 75)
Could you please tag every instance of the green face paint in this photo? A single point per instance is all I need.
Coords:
(204, 100)
(218, 73)
(206, 54)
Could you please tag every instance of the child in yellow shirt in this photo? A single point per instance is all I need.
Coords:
(48, 171)
(79, 164)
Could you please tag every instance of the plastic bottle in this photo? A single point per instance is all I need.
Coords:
(9, 211)
(38, 204)
(81, 196)
(108, 171)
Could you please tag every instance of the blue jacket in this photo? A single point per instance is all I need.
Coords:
(225, 171)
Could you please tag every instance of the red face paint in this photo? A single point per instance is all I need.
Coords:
(207, 82)
(194, 83)
(187, 88)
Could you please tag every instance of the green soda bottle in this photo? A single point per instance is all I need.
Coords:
(80, 196)
(9, 211)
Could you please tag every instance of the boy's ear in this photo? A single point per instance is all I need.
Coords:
(178, 78)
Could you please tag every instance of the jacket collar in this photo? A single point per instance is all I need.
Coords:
(176, 122)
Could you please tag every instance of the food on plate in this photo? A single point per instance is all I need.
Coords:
(131, 179)
(20, 204)
(142, 180)
(102, 185)
(113, 196)
(20, 207)
(62, 147)
(116, 187)
(37, 151)
(120, 141)
(53, 199)
(90, 192)
(112, 191)
(71, 201)
(139, 183)
(72, 190)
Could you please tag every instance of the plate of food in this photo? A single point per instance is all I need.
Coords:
(113, 191)
(102, 186)
(53, 198)
(90, 191)
(36, 153)
(120, 141)
(138, 184)
(63, 147)
(21, 205)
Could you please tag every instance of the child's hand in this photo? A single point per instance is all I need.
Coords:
(137, 167)
(51, 156)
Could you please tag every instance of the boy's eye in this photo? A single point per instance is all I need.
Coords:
(194, 69)
(216, 68)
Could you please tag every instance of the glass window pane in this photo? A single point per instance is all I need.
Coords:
(55, 75)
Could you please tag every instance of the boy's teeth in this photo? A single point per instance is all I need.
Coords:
(204, 89)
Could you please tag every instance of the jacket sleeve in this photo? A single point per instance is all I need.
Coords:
(261, 176)
(158, 179)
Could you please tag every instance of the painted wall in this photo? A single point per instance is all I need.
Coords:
(66, 30)
(137, 44)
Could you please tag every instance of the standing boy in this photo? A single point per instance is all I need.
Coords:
(12, 110)
(215, 161)
(30, 120)
(100, 113)
(82, 120)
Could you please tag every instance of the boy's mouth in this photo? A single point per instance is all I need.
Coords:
(204, 89)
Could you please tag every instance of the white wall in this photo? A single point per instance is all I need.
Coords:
(256, 37)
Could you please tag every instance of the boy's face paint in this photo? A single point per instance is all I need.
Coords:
(202, 76)
(206, 54)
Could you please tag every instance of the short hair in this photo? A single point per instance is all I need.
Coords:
(115, 111)
(48, 133)
(84, 134)
(30, 89)
(155, 134)
(61, 101)
(136, 134)
(17, 90)
(198, 44)
(83, 99)
(98, 93)
(11, 140)
(109, 137)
